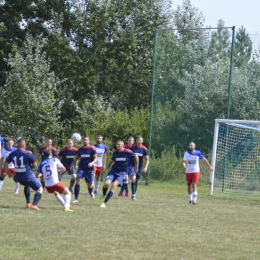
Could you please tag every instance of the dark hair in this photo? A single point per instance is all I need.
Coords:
(47, 152)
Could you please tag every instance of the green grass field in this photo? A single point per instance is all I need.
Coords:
(160, 224)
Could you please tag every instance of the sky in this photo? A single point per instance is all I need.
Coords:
(233, 12)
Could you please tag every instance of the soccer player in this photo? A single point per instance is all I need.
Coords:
(131, 166)
(48, 144)
(4, 154)
(67, 155)
(24, 161)
(88, 157)
(101, 163)
(118, 172)
(49, 169)
(142, 152)
(192, 170)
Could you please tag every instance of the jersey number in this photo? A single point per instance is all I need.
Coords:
(48, 170)
(15, 162)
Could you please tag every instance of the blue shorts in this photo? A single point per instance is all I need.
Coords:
(87, 175)
(130, 171)
(68, 170)
(30, 181)
(116, 176)
(139, 173)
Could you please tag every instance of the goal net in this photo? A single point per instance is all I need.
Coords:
(236, 159)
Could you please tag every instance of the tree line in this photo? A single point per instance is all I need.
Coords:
(87, 67)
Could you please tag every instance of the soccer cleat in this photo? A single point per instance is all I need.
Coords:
(190, 201)
(68, 210)
(194, 202)
(127, 195)
(16, 192)
(92, 196)
(133, 198)
(28, 205)
(95, 192)
(101, 198)
(103, 205)
(71, 190)
(75, 201)
(34, 207)
(120, 194)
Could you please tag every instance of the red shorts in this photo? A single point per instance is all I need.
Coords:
(12, 170)
(59, 187)
(192, 178)
(98, 170)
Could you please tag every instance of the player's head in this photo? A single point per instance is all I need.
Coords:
(86, 141)
(130, 141)
(192, 146)
(119, 144)
(139, 140)
(99, 139)
(48, 142)
(47, 152)
(9, 143)
(69, 143)
(21, 144)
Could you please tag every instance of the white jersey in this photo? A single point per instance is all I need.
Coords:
(192, 161)
(5, 152)
(101, 152)
(49, 168)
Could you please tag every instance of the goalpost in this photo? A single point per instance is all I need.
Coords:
(236, 158)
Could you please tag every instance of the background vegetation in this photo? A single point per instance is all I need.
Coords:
(87, 67)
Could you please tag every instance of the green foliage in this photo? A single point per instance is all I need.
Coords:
(167, 166)
(30, 105)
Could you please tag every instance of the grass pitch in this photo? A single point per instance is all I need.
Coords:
(160, 224)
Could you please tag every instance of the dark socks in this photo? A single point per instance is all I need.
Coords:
(27, 192)
(109, 196)
(76, 191)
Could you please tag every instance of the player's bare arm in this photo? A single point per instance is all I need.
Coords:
(146, 164)
(10, 175)
(136, 163)
(108, 166)
(95, 160)
(207, 163)
(184, 165)
(74, 162)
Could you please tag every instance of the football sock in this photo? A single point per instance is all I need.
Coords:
(96, 185)
(27, 193)
(43, 184)
(67, 199)
(109, 196)
(76, 191)
(190, 197)
(105, 191)
(72, 182)
(126, 186)
(60, 199)
(195, 195)
(1, 184)
(90, 190)
(37, 198)
(16, 185)
(133, 187)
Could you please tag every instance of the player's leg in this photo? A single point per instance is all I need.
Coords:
(108, 181)
(72, 173)
(189, 188)
(97, 174)
(67, 199)
(16, 183)
(133, 186)
(195, 180)
(80, 176)
(2, 177)
(89, 177)
(33, 183)
(124, 187)
(58, 197)
(42, 182)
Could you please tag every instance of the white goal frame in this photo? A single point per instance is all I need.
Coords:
(215, 139)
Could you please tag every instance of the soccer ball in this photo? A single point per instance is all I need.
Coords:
(76, 137)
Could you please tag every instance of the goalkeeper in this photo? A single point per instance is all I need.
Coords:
(192, 170)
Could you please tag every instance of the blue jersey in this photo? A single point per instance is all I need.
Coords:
(53, 150)
(22, 160)
(140, 152)
(86, 156)
(121, 159)
(2, 143)
(67, 156)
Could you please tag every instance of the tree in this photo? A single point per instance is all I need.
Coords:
(220, 43)
(29, 106)
(243, 48)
